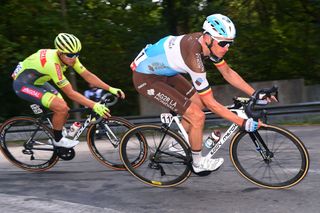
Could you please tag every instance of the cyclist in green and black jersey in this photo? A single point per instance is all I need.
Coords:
(31, 78)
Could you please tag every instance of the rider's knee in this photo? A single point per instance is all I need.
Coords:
(60, 106)
(195, 115)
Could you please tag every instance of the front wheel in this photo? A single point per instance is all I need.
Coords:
(271, 157)
(104, 138)
(26, 143)
(162, 166)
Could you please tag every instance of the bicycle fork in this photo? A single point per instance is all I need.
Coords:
(261, 146)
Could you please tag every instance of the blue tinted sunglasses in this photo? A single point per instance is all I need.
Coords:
(72, 55)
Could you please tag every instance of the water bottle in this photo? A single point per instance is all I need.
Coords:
(210, 142)
(74, 129)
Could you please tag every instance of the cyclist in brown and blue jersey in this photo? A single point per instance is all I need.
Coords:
(157, 76)
(31, 78)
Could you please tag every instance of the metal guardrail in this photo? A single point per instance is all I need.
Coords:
(272, 111)
(299, 109)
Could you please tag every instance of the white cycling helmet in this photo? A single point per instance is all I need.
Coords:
(218, 25)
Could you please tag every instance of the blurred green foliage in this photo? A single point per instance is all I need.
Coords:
(275, 39)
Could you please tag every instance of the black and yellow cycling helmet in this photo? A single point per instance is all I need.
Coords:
(67, 43)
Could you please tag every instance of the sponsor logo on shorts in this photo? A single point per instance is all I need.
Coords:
(43, 58)
(32, 92)
(192, 88)
(142, 85)
(150, 91)
(59, 72)
(199, 81)
(165, 100)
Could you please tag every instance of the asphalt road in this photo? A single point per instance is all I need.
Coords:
(84, 185)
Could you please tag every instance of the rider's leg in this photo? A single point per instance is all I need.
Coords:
(176, 97)
(194, 117)
(196, 100)
(60, 113)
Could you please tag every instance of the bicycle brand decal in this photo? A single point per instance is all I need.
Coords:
(229, 132)
(86, 123)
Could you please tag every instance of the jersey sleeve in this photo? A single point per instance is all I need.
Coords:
(78, 67)
(57, 76)
(200, 82)
(191, 53)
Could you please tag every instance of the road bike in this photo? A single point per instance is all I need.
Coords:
(26, 141)
(271, 157)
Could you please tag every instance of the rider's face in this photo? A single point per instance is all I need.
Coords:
(218, 50)
(67, 60)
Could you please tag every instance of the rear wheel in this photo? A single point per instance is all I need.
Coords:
(162, 167)
(271, 157)
(26, 143)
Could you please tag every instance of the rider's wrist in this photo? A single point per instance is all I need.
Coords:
(243, 125)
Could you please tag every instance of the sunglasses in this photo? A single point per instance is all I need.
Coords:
(72, 55)
(223, 43)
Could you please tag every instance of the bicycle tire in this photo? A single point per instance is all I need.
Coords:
(288, 157)
(38, 155)
(161, 168)
(100, 145)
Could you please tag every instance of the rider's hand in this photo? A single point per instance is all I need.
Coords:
(264, 97)
(250, 125)
(101, 110)
(117, 92)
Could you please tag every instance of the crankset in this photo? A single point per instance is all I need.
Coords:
(65, 153)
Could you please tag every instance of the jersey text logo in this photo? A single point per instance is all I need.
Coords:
(59, 72)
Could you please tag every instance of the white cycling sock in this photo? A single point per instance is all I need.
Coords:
(196, 156)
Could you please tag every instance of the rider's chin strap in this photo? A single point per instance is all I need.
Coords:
(212, 56)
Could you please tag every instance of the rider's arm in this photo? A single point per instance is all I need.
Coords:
(203, 88)
(234, 78)
(97, 82)
(94, 80)
(76, 96)
(214, 106)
